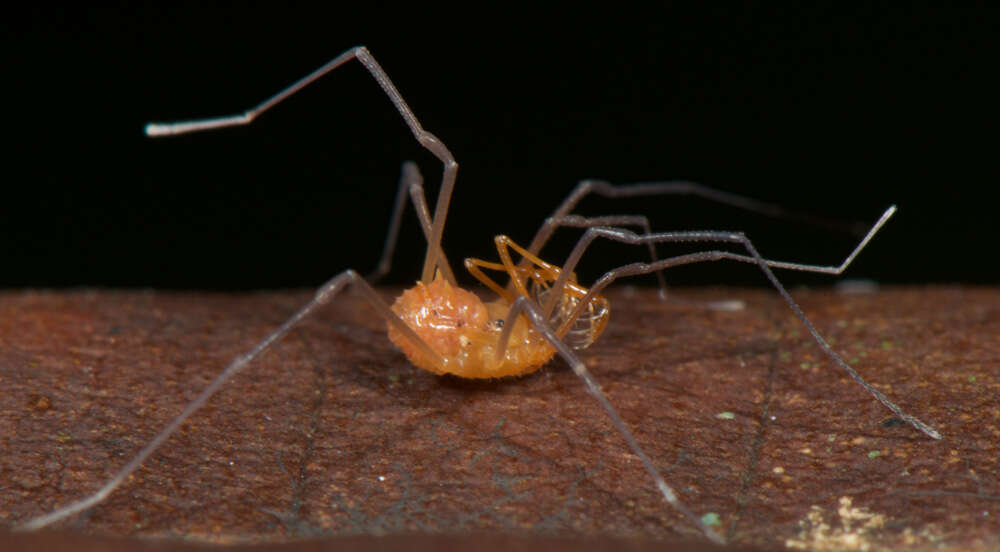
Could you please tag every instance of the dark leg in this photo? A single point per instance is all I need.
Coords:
(754, 257)
(524, 306)
(576, 221)
(679, 187)
(426, 139)
(322, 297)
(412, 182)
(625, 236)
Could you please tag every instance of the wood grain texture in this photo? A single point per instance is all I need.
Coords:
(332, 434)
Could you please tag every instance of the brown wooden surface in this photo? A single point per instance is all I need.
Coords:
(332, 434)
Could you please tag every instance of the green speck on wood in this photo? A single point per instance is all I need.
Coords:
(874, 454)
(710, 519)
(725, 415)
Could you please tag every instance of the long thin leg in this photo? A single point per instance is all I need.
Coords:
(524, 306)
(426, 139)
(765, 265)
(406, 180)
(577, 221)
(613, 234)
(322, 297)
(412, 182)
(679, 187)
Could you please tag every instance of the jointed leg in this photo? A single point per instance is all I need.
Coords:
(322, 297)
(576, 221)
(412, 182)
(629, 237)
(406, 180)
(678, 187)
(426, 139)
(524, 306)
(754, 257)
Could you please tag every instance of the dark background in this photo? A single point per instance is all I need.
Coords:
(829, 110)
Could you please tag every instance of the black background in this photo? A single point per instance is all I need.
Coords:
(829, 110)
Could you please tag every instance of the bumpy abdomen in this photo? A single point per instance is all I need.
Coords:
(457, 325)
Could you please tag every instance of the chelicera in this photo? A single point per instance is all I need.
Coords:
(540, 312)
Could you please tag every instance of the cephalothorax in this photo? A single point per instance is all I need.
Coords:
(540, 312)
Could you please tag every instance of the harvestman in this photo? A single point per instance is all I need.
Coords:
(541, 312)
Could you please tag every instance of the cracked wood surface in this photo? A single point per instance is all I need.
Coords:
(333, 434)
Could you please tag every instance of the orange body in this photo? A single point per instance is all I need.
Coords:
(465, 332)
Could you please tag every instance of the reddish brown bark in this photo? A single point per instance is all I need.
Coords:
(332, 433)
